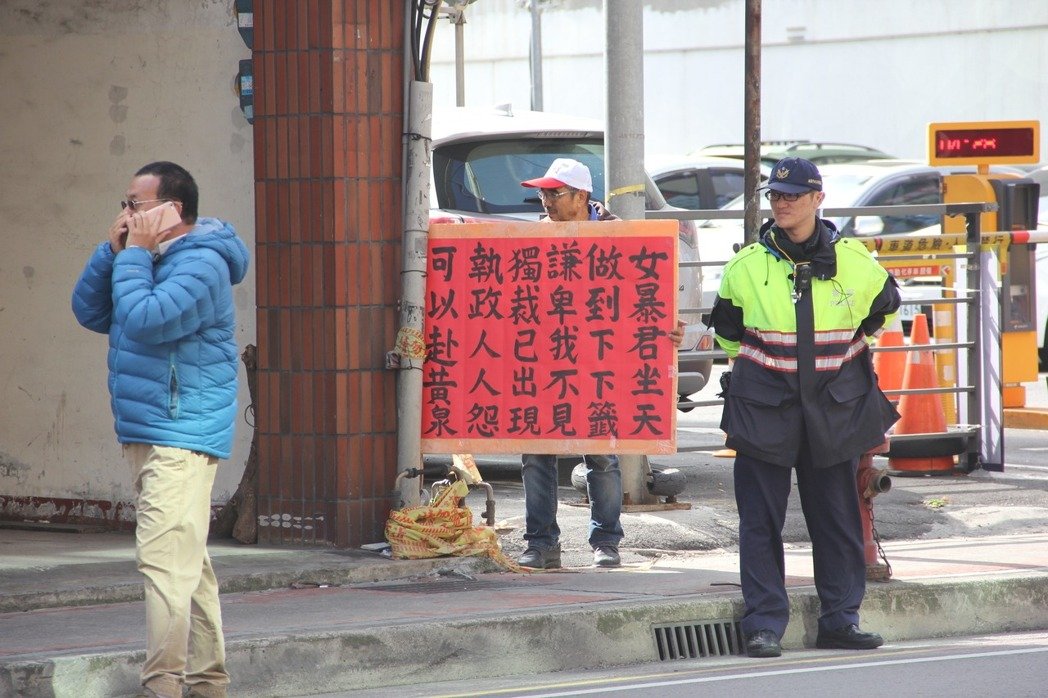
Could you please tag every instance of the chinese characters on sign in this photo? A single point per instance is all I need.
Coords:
(550, 338)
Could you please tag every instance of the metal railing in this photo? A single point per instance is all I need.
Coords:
(980, 423)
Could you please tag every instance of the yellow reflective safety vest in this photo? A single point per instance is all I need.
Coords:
(802, 381)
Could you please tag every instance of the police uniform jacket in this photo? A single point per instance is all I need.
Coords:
(802, 367)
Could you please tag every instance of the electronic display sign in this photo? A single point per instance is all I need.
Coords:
(984, 143)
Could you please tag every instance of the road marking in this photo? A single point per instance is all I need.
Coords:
(784, 672)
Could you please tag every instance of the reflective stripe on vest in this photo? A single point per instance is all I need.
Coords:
(777, 351)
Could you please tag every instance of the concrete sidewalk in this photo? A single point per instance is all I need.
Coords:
(302, 621)
(308, 621)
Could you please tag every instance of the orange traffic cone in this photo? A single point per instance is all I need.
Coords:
(921, 413)
(890, 365)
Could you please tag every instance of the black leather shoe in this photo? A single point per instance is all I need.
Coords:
(539, 559)
(848, 638)
(763, 643)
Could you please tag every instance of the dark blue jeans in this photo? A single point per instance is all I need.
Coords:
(603, 486)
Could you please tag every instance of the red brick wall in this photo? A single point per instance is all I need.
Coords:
(328, 80)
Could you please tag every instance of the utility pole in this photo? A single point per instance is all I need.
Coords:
(624, 160)
(536, 55)
(751, 123)
(460, 58)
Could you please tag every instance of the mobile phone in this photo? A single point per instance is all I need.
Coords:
(167, 213)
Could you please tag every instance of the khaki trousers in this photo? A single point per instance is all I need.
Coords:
(183, 620)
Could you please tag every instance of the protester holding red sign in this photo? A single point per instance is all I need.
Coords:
(565, 194)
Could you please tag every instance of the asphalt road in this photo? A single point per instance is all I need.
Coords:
(998, 665)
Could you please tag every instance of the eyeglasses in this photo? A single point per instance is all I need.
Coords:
(133, 205)
(548, 196)
(779, 196)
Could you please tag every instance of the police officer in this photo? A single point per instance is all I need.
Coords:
(795, 312)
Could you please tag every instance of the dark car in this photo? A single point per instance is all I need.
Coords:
(697, 183)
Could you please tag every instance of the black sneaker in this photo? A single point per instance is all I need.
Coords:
(849, 637)
(541, 559)
(606, 556)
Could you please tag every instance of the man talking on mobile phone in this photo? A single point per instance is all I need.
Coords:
(163, 292)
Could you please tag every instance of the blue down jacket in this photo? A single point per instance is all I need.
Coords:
(172, 353)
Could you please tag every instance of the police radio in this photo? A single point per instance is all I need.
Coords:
(802, 274)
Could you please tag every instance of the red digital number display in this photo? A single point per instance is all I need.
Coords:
(989, 142)
(984, 143)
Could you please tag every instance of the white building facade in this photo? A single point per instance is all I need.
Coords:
(851, 71)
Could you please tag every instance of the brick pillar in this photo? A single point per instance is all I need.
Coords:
(328, 121)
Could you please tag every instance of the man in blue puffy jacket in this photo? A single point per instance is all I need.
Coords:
(164, 295)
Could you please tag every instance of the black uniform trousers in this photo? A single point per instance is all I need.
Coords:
(830, 503)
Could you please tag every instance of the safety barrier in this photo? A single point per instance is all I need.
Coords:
(976, 434)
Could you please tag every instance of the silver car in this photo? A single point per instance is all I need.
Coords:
(851, 185)
(480, 157)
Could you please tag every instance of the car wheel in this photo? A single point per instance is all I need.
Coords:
(684, 399)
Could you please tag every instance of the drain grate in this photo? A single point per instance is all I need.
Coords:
(694, 640)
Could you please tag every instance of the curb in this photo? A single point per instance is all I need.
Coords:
(1025, 418)
(617, 633)
(273, 576)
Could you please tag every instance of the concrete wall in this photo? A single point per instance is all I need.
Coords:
(89, 92)
(850, 70)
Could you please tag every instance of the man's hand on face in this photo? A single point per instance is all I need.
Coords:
(144, 230)
(119, 230)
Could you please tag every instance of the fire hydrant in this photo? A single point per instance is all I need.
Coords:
(872, 481)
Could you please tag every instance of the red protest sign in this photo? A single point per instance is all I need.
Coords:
(550, 338)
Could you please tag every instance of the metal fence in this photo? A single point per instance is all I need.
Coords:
(979, 425)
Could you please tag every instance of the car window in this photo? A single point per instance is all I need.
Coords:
(727, 184)
(681, 190)
(485, 176)
(914, 190)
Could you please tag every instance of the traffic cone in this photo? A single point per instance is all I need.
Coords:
(890, 365)
(921, 413)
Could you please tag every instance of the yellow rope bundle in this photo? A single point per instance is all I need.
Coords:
(443, 528)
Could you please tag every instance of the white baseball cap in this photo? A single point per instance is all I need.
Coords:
(563, 172)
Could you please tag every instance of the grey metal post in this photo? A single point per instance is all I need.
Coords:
(413, 279)
(536, 55)
(624, 158)
(985, 370)
(460, 59)
(624, 138)
(752, 122)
